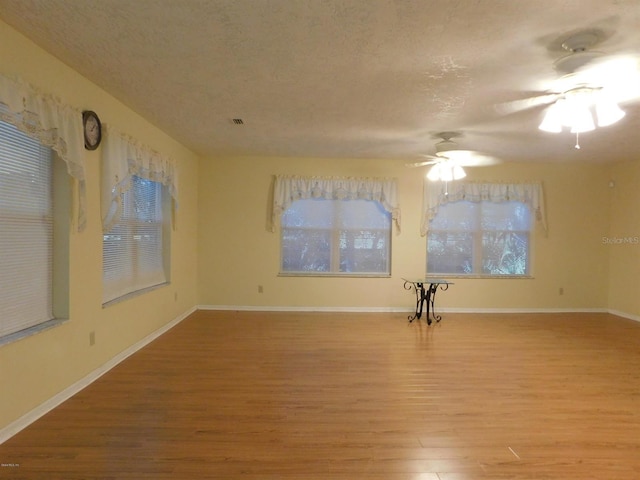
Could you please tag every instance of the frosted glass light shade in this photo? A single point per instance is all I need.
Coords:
(581, 120)
(552, 121)
(576, 110)
(458, 172)
(445, 172)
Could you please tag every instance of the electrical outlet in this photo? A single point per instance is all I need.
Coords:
(561, 291)
(92, 338)
(260, 289)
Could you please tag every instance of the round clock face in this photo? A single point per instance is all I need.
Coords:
(92, 130)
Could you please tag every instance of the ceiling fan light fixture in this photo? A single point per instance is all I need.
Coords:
(552, 121)
(591, 86)
(445, 172)
(576, 111)
(458, 172)
(581, 120)
(434, 173)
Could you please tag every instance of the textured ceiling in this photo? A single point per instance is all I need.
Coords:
(337, 78)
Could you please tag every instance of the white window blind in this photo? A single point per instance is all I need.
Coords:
(26, 226)
(133, 247)
(321, 236)
(480, 238)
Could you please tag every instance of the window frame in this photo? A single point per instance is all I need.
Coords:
(478, 246)
(335, 236)
(133, 286)
(58, 244)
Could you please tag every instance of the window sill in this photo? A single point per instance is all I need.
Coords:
(127, 296)
(28, 332)
(334, 275)
(481, 277)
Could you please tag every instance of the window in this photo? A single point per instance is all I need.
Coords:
(323, 236)
(26, 232)
(480, 238)
(138, 191)
(134, 248)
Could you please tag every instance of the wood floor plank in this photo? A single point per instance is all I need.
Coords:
(266, 395)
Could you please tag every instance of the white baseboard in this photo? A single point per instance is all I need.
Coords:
(262, 308)
(42, 409)
(522, 310)
(625, 315)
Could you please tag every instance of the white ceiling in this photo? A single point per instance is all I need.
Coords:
(337, 78)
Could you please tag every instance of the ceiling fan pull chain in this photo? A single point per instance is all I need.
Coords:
(577, 140)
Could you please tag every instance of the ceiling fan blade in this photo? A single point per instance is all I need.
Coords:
(421, 164)
(480, 161)
(507, 108)
(469, 158)
(619, 76)
(609, 67)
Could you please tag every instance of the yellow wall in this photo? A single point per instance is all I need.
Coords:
(38, 367)
(237, 253)
(623, 242)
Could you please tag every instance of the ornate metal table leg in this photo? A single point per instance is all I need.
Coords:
(434, 289)
(420, 297)
(429, 297)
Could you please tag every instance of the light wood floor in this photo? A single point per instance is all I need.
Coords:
(313, 396)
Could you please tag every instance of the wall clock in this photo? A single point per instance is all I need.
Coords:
(92, 130)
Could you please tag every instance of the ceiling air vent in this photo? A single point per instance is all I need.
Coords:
(238, 121)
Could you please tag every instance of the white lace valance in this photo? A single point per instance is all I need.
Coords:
(437, 193)
(122, 158)
(287, 189)
(45, 118)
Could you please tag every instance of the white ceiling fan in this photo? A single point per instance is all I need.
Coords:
(449, 160)
(590, 89)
